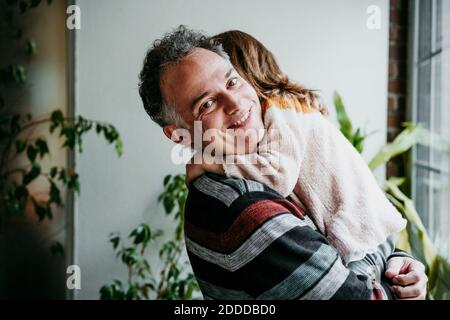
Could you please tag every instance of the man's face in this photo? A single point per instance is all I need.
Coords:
(205, 87)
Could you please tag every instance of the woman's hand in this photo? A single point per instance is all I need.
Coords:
(195, 170)
(409, 278)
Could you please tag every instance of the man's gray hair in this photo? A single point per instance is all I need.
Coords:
(172, 48)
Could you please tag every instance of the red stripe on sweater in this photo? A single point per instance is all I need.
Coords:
(252, 218)
(377, 293)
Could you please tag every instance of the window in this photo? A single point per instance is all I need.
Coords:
(430, 96)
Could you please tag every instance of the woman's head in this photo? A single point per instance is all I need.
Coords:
(258, 66)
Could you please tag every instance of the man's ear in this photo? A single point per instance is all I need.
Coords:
(177, 135)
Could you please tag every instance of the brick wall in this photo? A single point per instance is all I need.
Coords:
(398, 67)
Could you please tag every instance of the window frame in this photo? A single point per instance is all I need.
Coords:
(432, 218)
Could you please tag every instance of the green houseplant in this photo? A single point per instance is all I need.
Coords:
(21, 153)
(176, 281)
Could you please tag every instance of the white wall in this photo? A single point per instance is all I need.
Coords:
(323, 44)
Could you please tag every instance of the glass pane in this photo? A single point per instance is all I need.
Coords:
(422, 198)
(445, 91)
(425, 29)
(438, 26)
(443, 242)
(444, 12)
(436, 109)
(439, 216)
(423, 105)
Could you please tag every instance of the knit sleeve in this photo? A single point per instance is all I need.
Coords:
(400, 253)
(278, 158)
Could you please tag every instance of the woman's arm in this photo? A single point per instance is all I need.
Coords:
(279, 155)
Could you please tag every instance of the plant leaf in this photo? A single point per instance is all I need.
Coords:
(42, 147)
(40, 210)
(53, 172)
(411, 135)
(167, 179)
(32, 153)
(34, 172)
(57, 249)
(55, 195)
(57, 117)
(342, 117)
(114, 238)
(20, 146)
(30, 47)
(119, 147)
(428, 251)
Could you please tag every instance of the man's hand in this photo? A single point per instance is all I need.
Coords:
(409, 278)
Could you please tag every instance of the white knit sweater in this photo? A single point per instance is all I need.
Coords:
(305, 156)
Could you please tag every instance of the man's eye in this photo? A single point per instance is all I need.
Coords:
(233, 82)
(208, 104)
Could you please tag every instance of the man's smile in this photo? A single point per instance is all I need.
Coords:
(243, 120)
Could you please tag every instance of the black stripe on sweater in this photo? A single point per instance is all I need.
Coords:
(355, 287)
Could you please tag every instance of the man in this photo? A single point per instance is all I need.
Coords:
(244, 240)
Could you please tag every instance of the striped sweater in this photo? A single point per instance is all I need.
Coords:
(245, 241)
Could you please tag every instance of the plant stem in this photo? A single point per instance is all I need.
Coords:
(14, 136)
(27, 126)
(130, 275)
(7, 173)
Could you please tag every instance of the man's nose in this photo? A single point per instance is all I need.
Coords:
(231, 103)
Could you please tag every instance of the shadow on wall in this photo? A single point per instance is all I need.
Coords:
(28, 269)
